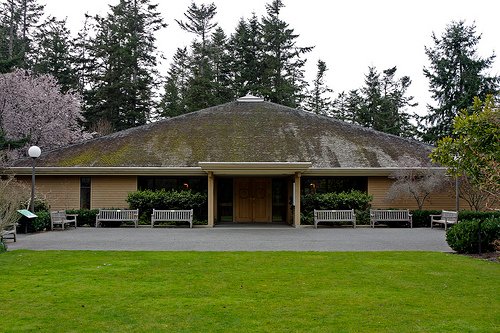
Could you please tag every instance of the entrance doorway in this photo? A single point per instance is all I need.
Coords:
(252, 198)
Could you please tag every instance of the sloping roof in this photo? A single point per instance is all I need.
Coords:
(242, 132)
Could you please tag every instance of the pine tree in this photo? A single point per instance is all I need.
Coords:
(122, 90)
(456, 75)
(283, 75)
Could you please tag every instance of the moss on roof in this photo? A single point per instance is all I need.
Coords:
(241, 132)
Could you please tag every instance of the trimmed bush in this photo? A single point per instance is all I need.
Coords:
(464, 236)
(465, 215)
(357, 200)
(85, 216)
(146, 200)
(39, 223)
(422, 218)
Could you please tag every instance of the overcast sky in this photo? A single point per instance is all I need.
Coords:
(348, 35)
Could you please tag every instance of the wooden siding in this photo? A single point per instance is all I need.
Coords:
(111, 191)
(60, 192)
(378, 187)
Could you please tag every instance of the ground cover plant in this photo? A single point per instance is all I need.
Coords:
(89, 291)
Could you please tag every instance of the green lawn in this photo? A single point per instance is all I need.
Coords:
(88, 291)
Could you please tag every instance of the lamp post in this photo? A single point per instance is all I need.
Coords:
(34, 152)
(457, 184)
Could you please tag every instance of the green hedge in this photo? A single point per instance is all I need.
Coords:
(146, 200)
(463, 237)
(464, 215)
(357, 200)
(86, 217)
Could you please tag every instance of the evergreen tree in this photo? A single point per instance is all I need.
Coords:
(380, 104)
(121, 90)
(317, 102)
(283, 75)
(52, 54)
(246, 48)
(174, 99)
(221, 67)
(199, 21)
(18, 21)
(456, 75)
(201, 88)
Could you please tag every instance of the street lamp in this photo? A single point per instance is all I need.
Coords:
(34, 152)
(457, 184)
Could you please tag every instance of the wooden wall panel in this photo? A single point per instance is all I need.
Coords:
(61, 192)
(378, 187)
(111, 191)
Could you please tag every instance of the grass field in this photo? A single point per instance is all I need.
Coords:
(88, 291)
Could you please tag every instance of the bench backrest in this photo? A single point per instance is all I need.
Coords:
(390, 215)
(334, 215)
(118, 214)
(58, 216)
(173, 215)
(450, 216)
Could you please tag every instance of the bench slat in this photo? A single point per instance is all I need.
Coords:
(117, 215)
(172, 215)
(334, 216)
(446, 217)
(390, 215)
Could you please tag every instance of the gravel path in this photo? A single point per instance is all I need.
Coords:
(245, 238)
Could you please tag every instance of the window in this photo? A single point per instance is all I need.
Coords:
(310, 185)
(197, 184)
(85, 190)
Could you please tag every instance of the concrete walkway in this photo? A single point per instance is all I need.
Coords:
(245, 238)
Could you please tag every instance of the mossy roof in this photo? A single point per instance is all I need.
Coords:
(242, 132)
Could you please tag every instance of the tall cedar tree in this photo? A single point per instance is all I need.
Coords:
(221, 66)
(124, 56)
(18, 21)
(380, 104)
(456, 75)
(246, 49)
(53, 47)
(173, 102)
(283, 76)
(317, 100)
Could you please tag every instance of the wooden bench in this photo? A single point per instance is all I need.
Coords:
(446, 217)
(390, 215)
(334, 216)
(9, 231)
(117, 215)
(160, 215)
(59, 217)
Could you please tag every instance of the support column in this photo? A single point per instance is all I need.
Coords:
(211, 199)
(296, 210)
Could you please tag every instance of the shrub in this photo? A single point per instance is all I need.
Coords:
(357, 200)
(463, 237)
(146, 200)
(422, 218)
(85, 216)
(39, 223)
(3, 246)
(465, 215)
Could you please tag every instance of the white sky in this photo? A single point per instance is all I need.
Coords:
(348, 35)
